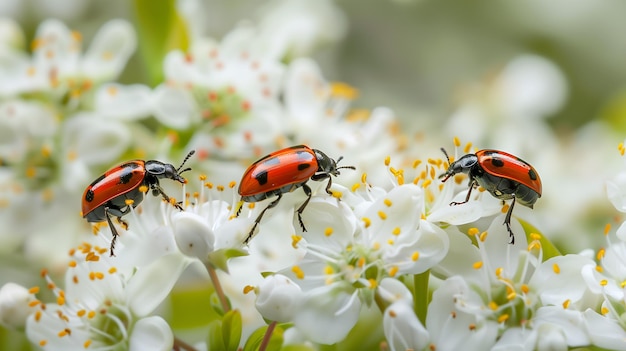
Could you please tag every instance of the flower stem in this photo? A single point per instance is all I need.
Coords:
(268, 335)
(420, 295)
(181, 345)
(218, 287)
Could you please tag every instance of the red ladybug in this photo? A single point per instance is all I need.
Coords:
(284, 171)
(107, 195)
(503, 175)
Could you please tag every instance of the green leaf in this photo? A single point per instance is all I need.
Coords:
(219, 258)
(231, 329)
(161, 29)
(214, 338)
(549, 250)
(191, 307)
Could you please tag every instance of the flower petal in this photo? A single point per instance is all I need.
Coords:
(109, 51)
(128, 102)
(151, 334)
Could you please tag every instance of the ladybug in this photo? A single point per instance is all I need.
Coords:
(108, 195)
(503, 175)
(284, 171)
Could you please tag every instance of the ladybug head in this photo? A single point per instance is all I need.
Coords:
(462, 165)
(327, 165)
(166, 170)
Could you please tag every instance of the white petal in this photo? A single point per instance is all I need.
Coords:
(193, 235)
(322, 213)
(605, 332)
(57, 50)
(174, 107)
(516, 339)
(128, 102)
(403, 330)
(95, 140)
(109, 50)
(431, 246)
(306, 91)
(151, 334)
(393, 290)
(555, 288)
(278, 298)
(327, 315)
(569, 323)
(14, 309)
(151, 284)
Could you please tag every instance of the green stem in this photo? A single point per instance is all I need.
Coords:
(420, 295)
(218, 287)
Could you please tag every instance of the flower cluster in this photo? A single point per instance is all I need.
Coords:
(390, 253)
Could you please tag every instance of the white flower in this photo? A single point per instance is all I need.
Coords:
(295, 28)
(403, 330)
(350, 246)
(278, 298)
(107, 307)
(15, 305)
(57, 65)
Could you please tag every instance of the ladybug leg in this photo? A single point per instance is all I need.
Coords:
(472, 185)
(156, 190)
(113, 230)
(307, 191)
(322, 176)
(507, 222)
(258, 219)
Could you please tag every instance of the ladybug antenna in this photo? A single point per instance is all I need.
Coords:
(185, 160)
(445, 153)
(343, 167)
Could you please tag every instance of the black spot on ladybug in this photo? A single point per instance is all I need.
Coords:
(497, 162)
(89, 195)
(127, 175)
(532, 174)
(261, 177)
(303, 166)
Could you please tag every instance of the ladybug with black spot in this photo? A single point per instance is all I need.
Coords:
(503, 175)
(284, 171)
(111, 194)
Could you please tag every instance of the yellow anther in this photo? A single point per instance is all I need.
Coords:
(503, 318)
(393, 271)
(478, 265)
(295, 239)
(493, 305)
(599, 269)
(467, 147)
(202, 177)
(328, 231)
(387, 202)
(328, 270)
(600, 254)
(607, 228)
(604, 310)
(34, 290)
(426, 183)
(391, 242)
(112, 270)
(416, 163)
(415, 256)
(232, 184)
(511, 295)
(387, 161)
(396, 231)
(525, 289)
(143, 189)
(343, 90)
(220, 188)
(375, 245)
(298, 272)
(499, 271)
(505, 208)
(534, 245)
(483, 236)
(86, 344)
(367, 222)
(247, 289)
(556, 268)
(457, 142)
(473, 231)
(356, 186)
(364, 178)
(361, 262)
(535, 236)
(382, 215)
(373, 283)
(604, 282)
(337, 194)
(566, 303)
(129, 202)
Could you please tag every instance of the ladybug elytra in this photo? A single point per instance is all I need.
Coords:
(503, 175)
(284, 171)
(114, 192)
